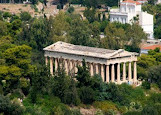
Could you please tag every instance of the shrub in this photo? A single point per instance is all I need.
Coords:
(25, 16)
(133, 113)
(86, 95)
(154, 98)
(106, 106)
(149, 110)
(71, 9)
(146, 85)
(9, 108)
(75, 112)
(7, 15)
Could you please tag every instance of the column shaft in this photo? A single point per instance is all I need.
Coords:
(102, 73)
(135, 72)
(56, 64)
(113, 73)
(66, 65)
(97, 69)
(76, 69)
(71, 65)
(107, 74)
(46, 60)
(129, 72)
(91, 69)
(51, 65)
(118, 73)
(124, 72)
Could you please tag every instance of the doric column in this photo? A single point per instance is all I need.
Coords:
(129, 72)
(135, 72)
(102, 73)
(124, 72)
(118, 73)
(76, 69)
(71, 65)
(91, 69)
(51, 65)
(46, 60)
(56, 64)
(66, 65)
(107, 74)
(112, 73)
(96, 68)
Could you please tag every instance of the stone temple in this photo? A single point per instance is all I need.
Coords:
(116, 66)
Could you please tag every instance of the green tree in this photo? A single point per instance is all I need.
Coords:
(25, 16)
(87, 95)
(152, 2)
(9, 108)
(83, 75)
(90, 15)
(134, 35)
(17, 64)
(71, 9)
(154, 74)
(157, 32)
(149, 110)
(3, 29)
(60, 28)
(115, 37)
(40, 82)
(80, 33)
(64, 87)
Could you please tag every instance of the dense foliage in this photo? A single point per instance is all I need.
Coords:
(27, 87)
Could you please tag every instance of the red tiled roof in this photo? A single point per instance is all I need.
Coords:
(141, 0)
(132, 1)
(152, 47)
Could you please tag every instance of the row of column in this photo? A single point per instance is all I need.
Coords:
(110, 72)
(71, 67)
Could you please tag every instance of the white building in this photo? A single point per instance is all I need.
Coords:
(142, 1)
(159, 1)
(129, 12)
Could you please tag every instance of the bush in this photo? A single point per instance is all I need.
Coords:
(133, 113)
(149, 110)
(146, 85)
(154, 98)
(75, 112)
(86, 95)
(25, 16)
(71, 9)
(71, 97)
(9, 108)
(106, 106)
(7, 15)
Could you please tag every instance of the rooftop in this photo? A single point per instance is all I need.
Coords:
(86, 51)
(152, 47)
(132, 1)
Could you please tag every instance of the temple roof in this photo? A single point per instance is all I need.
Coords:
(86, 51)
